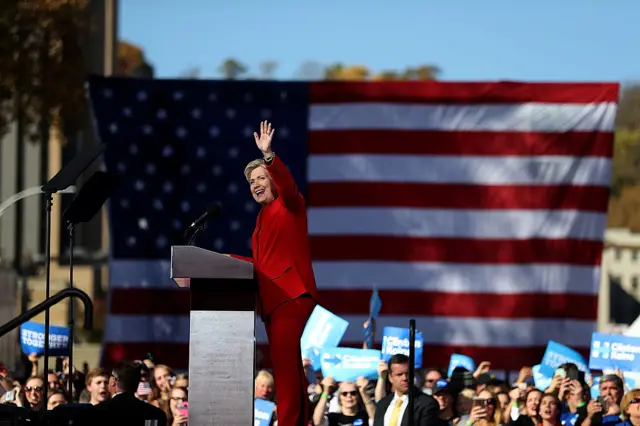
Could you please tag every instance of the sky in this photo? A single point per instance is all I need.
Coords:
(469, 40)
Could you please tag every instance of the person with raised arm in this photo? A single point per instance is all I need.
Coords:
(286, 283)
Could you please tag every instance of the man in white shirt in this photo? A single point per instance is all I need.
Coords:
(391, 410)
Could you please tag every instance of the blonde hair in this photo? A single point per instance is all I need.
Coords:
(251, 167)
(626, 400)
(266, 376)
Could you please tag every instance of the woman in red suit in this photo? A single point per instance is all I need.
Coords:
(282, 262)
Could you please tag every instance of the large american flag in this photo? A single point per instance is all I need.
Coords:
(476, 208)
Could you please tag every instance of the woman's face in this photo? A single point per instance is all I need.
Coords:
(491, 402)
(548, 408)
(33, 390)
(55, 400)
(161, 376)
(634, 407)
(533, 403)
(177, 396)
(348, 395)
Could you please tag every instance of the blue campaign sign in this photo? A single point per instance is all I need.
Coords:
(346, 364)
(541, 381)
(464, 361)
(610, 351)
(323, 330)
(32, 339)
(557, 354)
(262, 412)
(395, 340)
(375, 304)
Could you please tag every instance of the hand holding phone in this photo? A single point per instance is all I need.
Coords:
(183, 408)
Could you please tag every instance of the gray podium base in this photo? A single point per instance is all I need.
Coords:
(221, 368)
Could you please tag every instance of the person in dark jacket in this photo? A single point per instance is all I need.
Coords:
(391, 410)
(124, 408)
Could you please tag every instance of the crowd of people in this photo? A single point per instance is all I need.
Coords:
(466, 398)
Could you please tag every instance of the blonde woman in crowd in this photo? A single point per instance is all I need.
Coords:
(352, 397)
(161, 387)
(464, 402)
(486, 410)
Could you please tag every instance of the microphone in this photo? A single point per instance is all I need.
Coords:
(213, 211)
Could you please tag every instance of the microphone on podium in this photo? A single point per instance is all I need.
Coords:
(213, 211)
(197, 226)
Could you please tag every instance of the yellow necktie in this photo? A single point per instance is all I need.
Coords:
(395, 414)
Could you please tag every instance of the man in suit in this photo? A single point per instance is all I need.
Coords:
(124, 408)
(287, 286)
(391, 410)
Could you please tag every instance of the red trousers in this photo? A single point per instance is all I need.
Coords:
(284, 329)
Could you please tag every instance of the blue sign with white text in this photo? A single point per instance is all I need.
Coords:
(541, 381)
(347, 364)
(464, 361)
(32, 339)
(557, 354)
(395, 340)
(323, 330)
(262, 412)
(611, 351)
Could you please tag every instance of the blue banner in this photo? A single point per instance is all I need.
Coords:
(32, 339)
(464, 361)
(541, 381)
(611, 351)
(323, 330)
(346, 364)
(395, 340)
(262, 412)
(557, 354)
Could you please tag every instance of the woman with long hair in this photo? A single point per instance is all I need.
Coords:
(486, 410)
(177, 417)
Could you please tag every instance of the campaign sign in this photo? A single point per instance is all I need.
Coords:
(610, 351)
(32, 339)
(262, 412)
(395, 340)
(458, 360)
(323, 330)
(541, 381)
(557, 354)
(347, 364)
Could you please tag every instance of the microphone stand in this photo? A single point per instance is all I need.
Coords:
(47, 249)
(412, 363)
(193, 233)
(71, 229)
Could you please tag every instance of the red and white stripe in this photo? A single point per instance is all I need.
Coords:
(478, 209)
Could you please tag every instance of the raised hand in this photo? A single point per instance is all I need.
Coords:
(263, 141)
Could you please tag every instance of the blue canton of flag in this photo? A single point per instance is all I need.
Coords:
(178, 150)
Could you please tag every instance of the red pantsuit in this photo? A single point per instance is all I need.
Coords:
(282, 260)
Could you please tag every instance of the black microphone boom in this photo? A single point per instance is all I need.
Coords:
(198, 225)
(213, 210)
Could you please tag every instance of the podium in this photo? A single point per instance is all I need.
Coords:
(222, 336)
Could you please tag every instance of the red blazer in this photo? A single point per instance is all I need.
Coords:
(280, 244)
